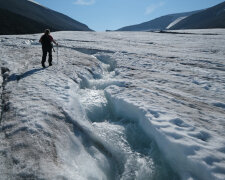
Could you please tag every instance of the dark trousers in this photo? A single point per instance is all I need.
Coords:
(45, 51)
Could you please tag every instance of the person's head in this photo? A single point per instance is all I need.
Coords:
(47, 31)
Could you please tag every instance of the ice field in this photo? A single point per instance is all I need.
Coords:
(114, 105)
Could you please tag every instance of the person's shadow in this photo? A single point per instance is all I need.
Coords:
(16, 77)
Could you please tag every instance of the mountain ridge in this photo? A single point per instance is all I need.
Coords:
(42, 16)
(11, 24)
(159, 23)
(213, 17)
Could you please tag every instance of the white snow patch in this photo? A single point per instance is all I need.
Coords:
(175, 22)
(33, 1)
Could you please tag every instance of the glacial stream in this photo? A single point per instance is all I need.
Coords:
(132, 152)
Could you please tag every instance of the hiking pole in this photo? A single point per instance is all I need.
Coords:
(57, 53)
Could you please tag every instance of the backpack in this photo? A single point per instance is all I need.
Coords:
(46, 42)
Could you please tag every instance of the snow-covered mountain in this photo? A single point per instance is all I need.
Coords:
(31, 12)
(213, 17)
(160, 23)
(120, 105)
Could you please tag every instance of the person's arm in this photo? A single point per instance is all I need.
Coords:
(53, 41)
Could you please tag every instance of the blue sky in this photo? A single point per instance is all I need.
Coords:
(100, 15)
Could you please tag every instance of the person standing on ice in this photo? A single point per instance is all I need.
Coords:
(47, 46)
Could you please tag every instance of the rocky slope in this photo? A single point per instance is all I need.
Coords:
(29, 17)
(157, 24)
(213, 17)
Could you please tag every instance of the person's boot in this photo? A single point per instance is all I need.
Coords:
(50, 59)
(43, 59)
(43, 64)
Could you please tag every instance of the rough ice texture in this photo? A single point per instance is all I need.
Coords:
(114, 106)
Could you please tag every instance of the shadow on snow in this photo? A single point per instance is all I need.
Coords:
(16, 77)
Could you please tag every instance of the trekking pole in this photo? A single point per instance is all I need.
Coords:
(57, 53)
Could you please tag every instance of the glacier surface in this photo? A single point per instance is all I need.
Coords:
(115, 105)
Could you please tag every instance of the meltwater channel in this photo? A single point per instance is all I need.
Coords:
(131, 152)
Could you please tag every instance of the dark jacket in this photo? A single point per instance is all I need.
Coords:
(46, 41)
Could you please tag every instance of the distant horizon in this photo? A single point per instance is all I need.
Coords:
(100, 15)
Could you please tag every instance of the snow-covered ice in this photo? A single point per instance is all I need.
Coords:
(115, 105)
